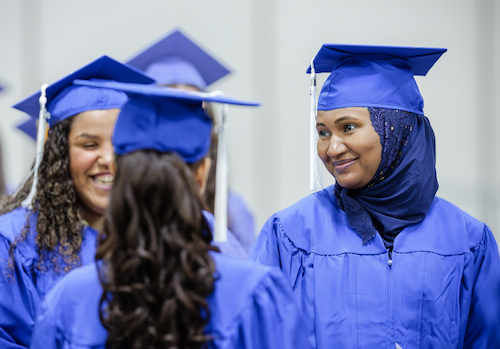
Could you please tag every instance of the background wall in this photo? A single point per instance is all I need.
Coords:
(268, 45)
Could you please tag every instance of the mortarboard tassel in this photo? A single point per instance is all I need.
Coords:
(315, 181)
(221, 178)
(44, 115)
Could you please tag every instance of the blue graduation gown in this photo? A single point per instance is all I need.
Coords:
(231, 246)
(20, 298)
(432, 293)
(252, 306)
(240, 221)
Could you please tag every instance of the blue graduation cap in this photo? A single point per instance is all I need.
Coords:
(176, 59)
(366, 76)
(64, 100)
(28, 127)
(373, 76)
(172, 120)
(61, 100)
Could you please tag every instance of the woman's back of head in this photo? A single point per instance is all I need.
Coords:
(155, 251)
(156, 269)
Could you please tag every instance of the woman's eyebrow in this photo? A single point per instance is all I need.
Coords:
(87, 135)
(344, 118)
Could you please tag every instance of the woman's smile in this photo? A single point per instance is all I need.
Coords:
(104, 180)
(343, 165)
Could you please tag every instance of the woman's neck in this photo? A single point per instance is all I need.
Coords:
(93, 219)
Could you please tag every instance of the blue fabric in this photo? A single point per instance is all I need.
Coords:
(240, 220)
(252, 306)
(230, 247)
(78, 99)
(165, 125)
(175, 59)
(420, 59)
(373, 76)
(29, 127)
(102, 68)
(174, 71)
(364, 83)
(431, 295)
(405, 183)
(20, 299)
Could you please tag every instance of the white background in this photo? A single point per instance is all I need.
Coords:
(268, 45)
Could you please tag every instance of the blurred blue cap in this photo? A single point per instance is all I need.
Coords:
(176, 59)
(65, 100)
(373, 76)
(28, 127)
(164, 119)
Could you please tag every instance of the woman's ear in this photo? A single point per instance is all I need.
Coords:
(201, 173)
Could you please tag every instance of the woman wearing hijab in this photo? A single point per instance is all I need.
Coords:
(50, 225)
(158, 281)
(378, 260)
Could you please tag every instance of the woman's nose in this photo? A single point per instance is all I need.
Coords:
(107, 155)
(337, 147)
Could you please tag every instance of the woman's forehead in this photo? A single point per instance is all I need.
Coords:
(342, 114)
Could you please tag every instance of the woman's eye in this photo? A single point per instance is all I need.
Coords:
(323, 133)
(89, 145)
(349, 127)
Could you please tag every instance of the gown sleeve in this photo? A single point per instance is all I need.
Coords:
(484, 323)
(240, 221)
(231, 246)
(271, 318)
(18, 301)
(266, 249)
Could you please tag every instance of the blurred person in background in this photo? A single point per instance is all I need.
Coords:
(176, 61)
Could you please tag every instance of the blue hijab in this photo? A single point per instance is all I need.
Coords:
(405, 183)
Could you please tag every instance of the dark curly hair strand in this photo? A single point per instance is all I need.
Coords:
(59, 224)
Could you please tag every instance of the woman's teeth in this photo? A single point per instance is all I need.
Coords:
(104, 179)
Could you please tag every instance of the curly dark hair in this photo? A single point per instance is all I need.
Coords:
(156, 271)
(59, 224)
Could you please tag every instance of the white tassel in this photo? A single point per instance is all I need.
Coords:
(221, 180)
(43, 116)
(315, 180)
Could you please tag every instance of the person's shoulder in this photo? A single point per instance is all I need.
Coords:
(12, 223)
(245, 272)
(313, 223)
(446, 230)
(238, 283)
(209, 217)
(459, 219)
(74, 304)
(323, 200)
(73, 293)
(78, 282)
(237, 280)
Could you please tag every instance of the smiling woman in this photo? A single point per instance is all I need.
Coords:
(378, 260)
(92, 166)
(50, 225)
